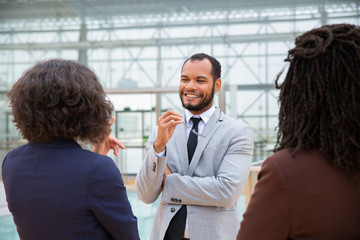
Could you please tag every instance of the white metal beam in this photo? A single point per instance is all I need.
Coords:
(150, 42)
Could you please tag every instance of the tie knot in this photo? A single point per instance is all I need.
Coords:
(195, 120)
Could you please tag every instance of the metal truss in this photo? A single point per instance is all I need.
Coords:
(137, 47)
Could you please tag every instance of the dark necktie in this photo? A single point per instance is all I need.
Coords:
(176, 227)
(193, 138)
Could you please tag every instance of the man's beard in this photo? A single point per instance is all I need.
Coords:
(202, 104)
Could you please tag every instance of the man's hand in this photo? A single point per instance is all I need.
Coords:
(166, 126)
(167, 172)
(110, 143)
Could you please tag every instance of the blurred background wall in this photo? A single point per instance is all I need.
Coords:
(137, 48)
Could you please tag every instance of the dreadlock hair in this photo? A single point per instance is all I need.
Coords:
(320, 96)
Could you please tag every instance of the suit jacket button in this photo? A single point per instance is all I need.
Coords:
(172, 199)
(172, 209)
(179, 200)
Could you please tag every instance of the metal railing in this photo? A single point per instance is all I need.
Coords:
(251, 182)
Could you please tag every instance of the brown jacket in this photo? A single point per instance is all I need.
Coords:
(302, 197)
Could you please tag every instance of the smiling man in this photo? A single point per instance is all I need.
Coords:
(199, 161)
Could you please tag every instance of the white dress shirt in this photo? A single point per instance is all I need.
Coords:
(205, 116)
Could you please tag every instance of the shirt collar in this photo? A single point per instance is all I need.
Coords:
(205, 116)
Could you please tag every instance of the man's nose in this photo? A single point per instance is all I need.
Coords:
(191, 85)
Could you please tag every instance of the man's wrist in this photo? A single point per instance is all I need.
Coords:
(159, 154)
(157, 148)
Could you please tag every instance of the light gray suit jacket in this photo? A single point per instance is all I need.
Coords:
(210, 186)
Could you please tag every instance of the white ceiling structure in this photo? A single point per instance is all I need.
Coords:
(137, 47)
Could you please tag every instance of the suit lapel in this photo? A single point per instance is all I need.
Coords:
(208, 132)
(180, 140)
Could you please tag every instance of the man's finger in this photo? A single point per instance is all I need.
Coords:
(173, 123)
(169, 115)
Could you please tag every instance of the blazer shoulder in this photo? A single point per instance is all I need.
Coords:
(89, 155)
(13, 152)
(234, 122)
(236, 126)
(16, 150)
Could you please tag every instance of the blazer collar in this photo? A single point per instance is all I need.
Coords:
(208, 132)
(205, 116)
(55, 144)
(180, 140)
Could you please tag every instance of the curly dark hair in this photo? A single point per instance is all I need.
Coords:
(60, 100)
(215, 65)
(320, 96)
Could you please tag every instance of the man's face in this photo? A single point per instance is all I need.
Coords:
(197, 86)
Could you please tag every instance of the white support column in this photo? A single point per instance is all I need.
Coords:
(83, 38)
(222, 102)
(233, 101)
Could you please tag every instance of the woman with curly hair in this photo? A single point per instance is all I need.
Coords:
(310, 187)
(54, 188)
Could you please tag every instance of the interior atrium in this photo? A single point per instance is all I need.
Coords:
(137, 49)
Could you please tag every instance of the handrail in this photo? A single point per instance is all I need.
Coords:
(257, 163)
(251, 182)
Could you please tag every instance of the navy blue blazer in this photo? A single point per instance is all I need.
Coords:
(60, 191)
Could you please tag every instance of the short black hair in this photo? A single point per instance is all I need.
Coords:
(215, 65)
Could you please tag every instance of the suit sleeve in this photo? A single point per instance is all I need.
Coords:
(223, 188)
(149, 179)
(267, 215)
(109, 202)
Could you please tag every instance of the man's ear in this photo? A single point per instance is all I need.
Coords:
(217, 85)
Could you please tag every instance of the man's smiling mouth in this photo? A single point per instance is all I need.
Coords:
(190, 95)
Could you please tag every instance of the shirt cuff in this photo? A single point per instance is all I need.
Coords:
(162, 154)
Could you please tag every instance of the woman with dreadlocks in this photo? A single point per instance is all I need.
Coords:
(310, 187)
